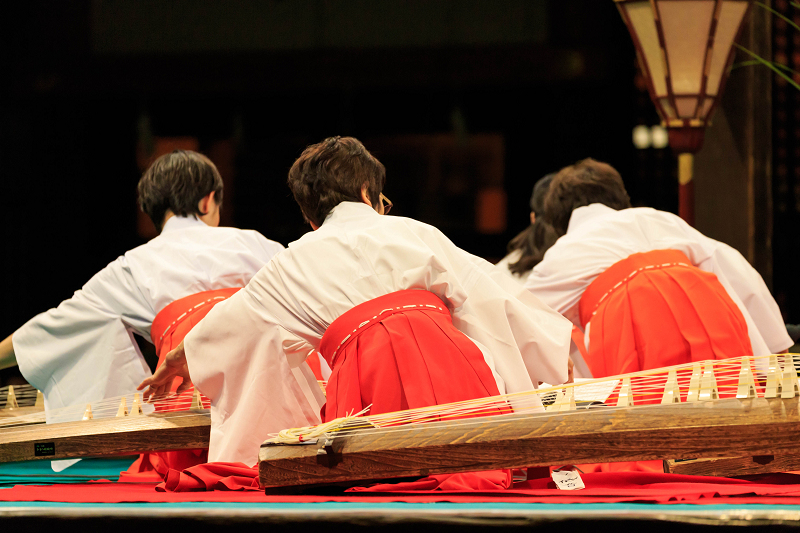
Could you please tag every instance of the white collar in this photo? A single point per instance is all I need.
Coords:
(582, 215)
(176, 222)
(349, 210)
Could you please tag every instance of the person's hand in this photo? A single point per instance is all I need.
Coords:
(570, 370)
(160, 383)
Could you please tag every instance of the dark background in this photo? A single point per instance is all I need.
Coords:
(90, 86)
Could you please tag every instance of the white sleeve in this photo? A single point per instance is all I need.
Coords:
(271, 247)
(496, 304)
(254, 390)
(524, 340)
(82, 350)
(740, 279)
(743, 283)
(561, 286)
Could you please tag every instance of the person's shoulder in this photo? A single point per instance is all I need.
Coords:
(611, 217)
(252, 238)
(648, 217)
(202, 236)
(414, 225)
(647, 212)
(255, 234)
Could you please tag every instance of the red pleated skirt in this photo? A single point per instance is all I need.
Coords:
(656, 309)
(401, 351)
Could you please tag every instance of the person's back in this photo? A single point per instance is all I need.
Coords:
(190, 257)
(82, 350)
(649, 289)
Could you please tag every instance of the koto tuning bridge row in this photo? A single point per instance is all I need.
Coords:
(12, 402)
(136, 406)
(779, 381)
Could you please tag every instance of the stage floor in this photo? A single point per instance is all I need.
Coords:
(390, 516)
(221, 512)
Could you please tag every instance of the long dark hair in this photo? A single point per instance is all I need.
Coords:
(534, 240)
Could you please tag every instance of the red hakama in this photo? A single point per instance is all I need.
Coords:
(401, 351)
(169, 328)
(656, 309)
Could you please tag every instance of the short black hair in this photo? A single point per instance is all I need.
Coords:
(331, 172)
(177, 182)
(584, 183)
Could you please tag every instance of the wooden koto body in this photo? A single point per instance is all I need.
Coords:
(20, 412)
(107, 436)
(706, 429)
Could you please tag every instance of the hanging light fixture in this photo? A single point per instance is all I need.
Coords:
(684, 49)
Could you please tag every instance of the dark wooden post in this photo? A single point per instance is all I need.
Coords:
(733, 171)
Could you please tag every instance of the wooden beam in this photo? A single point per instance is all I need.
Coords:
(109, 436)
(733, 171)
(734, 466)
(721, 428)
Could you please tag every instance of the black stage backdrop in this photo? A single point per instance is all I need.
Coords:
(505, 91)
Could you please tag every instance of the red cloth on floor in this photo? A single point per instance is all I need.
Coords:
(488, 480)
(211, 476)
(656, 467)
(656, 309)
(162, 463)
(602, 487)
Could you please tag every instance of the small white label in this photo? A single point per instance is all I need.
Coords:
(568, 479)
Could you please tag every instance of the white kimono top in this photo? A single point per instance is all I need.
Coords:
(581, 369)
(82, 351)
(266, 330)
(598, 236)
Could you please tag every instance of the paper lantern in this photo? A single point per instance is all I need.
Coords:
(685, 48)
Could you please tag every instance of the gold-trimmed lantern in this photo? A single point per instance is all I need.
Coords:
(684, 49)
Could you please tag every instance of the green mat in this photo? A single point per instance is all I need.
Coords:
(41, 473)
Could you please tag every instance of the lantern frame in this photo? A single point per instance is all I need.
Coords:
(686, 134)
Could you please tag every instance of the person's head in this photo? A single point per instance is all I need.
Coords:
(538, 195)
(182, 183)
(534, 240)
(339, 169)
(584, 183)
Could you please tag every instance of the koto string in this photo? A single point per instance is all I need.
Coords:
(716, 379)
(169, 405)
(706, 380)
